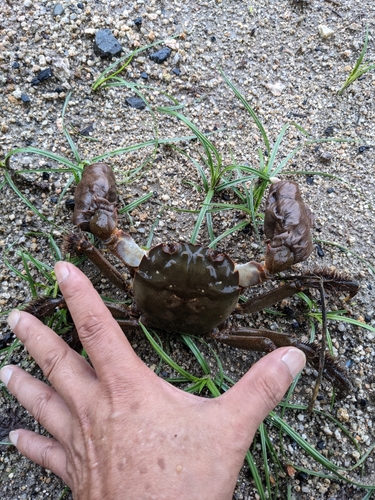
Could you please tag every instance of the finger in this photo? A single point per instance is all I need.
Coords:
(42, 450)
(102, 338)
(42, 401)
(64, 368)
(258, 392)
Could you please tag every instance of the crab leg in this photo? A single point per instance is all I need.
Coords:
(263, 340)
(81, 245)
(270, 298)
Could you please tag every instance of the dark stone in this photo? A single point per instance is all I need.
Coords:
(69, 204)
(362, 149)
(35, 81)
(58, 10)
(25, 98)
(310, 180)
(161, 55)
(45, 74)
(80, 5)
(288, 311)
(176, 71)
(87, 130)
(135, 102)
(320, 445)
(319, 251)
(54, 199)
(329, 131)
(138, 22)
(295, 324)
(144, 75)
(45, 176)
(59, 90)
(15, 65)
(6, 339)
(213, 39)
(330, 190)
(368, 318)
(106, 45)
(363, 402)
(247, 229)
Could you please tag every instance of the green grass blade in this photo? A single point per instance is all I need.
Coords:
(198, 355)
(25, 200)
(256, 476)
(229, 231)
(167, 358)
(131, 206)
(248, 108)
(201, 216)
(48, 154)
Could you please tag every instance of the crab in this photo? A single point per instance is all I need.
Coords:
(185, 288)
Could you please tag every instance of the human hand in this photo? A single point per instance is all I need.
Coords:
(120, 431)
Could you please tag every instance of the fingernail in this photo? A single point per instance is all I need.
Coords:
(13, 437)
(5, 374)
(61, 271)
(13, 318)
(295, 360)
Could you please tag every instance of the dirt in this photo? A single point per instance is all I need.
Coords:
(275, 54)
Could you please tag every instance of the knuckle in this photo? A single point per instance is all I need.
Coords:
(40, 406)
(53, 360)
(47, 452)
(91, 328)
(268, 389)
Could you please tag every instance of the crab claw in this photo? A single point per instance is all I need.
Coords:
(96, 190)
(287, 224)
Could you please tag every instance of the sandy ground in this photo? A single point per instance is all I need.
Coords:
(273, 52)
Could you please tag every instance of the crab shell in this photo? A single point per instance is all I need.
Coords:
(186, 288)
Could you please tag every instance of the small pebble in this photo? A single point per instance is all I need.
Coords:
(106, 45)
(324, 31)
(135, 102)
(45, 74)
(310, 180)
(58, 10)
(25, 98)
(319, 251)
(161, 55)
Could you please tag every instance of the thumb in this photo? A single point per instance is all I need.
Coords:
(262, 387)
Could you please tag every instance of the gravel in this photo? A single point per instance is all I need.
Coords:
(288, 59)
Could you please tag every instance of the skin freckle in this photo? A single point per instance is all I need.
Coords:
(161, 463)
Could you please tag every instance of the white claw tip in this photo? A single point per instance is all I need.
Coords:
(273, 180)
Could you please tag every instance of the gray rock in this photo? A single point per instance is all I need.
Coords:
(106, 45)
(161, 55)
(135, 102)
(58, 10)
